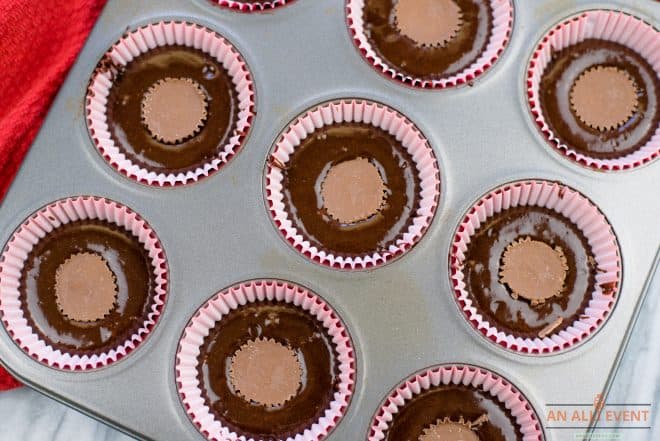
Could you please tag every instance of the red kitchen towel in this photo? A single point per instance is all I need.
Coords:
(39, 40)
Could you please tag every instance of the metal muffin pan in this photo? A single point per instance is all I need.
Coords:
(402, 317)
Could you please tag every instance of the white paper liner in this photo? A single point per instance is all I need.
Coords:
(606, 25)
(141, 41)
(30, 233)
(233, 298)
(251, 7)
(379, 116)
(479, 378)
(501, 31)
(588, 219)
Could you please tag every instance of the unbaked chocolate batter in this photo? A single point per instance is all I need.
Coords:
(127, 260)
(428, 62)
(558, 79)
(493, 298)
(125, 109)
(290, 326)
(453, 402)
(307, 169)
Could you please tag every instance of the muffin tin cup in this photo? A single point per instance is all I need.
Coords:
(456, 374)
(377, 115)
(30, 233)
(251, 7)
(588, 219)
(614, 26)
(500, 34)
(141, 41)
(232, 298)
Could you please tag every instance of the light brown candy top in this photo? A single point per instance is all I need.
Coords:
(533, 270)
(428, 22)
(604, 98)
(353, 190)
(174, 109)
(85, 288)
(265, 372)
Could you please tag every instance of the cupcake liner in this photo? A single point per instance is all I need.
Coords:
(30, 233)
(377, 115)
(212, 311)
(251, 7)
(466, 375)
(595, 227)
(500, 34)
(607, 25)
(141, 41)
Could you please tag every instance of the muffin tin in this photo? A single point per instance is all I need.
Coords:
(402, 317)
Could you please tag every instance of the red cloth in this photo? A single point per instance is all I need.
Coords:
(39, 40)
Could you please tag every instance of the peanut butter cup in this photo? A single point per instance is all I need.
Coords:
(265, 372)
(353, 191)
(85, 288)
(174, 109)
(604, 98)
(268, 370)
(448, 430)
(533, 270)
(428, 22)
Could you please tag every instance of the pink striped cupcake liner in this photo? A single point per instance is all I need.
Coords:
(471, 376)
(587, 218)
(141, 41)
(240, 6)
(499, 38)
(614, 26)
(232, 298)
(377, 115)
(24, 239)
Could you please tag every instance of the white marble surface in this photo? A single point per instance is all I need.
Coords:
(28, 416)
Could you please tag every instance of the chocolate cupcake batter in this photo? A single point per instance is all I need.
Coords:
(126, 259)
(558, 85)
(163, 152)
(416, 419)
(308, 167)
(294, 329)
(494, 299)
(463, 41)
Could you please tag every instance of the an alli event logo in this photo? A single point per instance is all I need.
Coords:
(598, 420)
